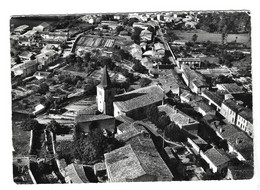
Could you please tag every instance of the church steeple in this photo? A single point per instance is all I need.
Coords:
(105, 80)
(105, 94)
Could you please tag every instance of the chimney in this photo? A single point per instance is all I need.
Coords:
(220, 130)
(238, 140)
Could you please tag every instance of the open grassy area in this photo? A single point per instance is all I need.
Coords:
(21, 140)
(214, 37)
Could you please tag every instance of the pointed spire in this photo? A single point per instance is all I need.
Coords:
(105, 80)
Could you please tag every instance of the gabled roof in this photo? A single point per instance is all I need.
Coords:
(105, 80)
(246, 113)
(139, 98)
(44, 24)
(88, 118)
(76, 173)
(232, 104)
(138, 158)
(218, 99)
(217, 157)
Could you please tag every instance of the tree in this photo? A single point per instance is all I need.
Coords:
(17, 60)
(119, 29)
(54, 126)
(138, 67)
(29, 124)
(43, 88)
(145, 82)
(194, 37)
(152, 113)
(174, 133)
(33, 57)
(163, 121)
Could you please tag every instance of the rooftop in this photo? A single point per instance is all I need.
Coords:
(138, 158)
(177, 116)
(232, 104)
(88, 118)
(105, 80)
(139, 98)
(215, 97)
(76, 173)
(218, 157)
(246, 113)
(232, 88)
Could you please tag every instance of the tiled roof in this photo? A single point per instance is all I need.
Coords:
(242, 143)
(87, 118)
(139, 98)
(194, 76)
(232, 88)
(246, 113)
(232, 104)
(124, 119)
(139, 157)
(217, 98)
(44, 24)
(205, 107)
(76, 173)
(217, 157)
(177, 116)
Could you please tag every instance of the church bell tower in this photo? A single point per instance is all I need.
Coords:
(105, 94)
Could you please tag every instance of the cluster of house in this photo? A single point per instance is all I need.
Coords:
(49, 44)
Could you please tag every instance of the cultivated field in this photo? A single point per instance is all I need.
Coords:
(214, 37)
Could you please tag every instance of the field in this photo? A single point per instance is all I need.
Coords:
(21, 140)
(214, 37)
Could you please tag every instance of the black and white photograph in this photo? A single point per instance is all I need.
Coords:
(136, 96)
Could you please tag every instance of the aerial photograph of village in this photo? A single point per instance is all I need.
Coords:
(131, 97)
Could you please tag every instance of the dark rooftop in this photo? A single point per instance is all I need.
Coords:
(139, 98)
(215, 97)
(105, 80)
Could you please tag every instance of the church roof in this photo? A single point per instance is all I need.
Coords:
(105, 80)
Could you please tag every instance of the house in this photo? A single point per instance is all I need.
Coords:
(27, 38)
(57, 36)
(194, 80)
(134, 103)
(191, 62)
(25, 69)
(243, 171)
(179, 43)
(26, 55)
(42, 27)
(21, 29)
(136, 51)
(38, 109)
(215, 99)
(197, 143)
(187, 97)
(230, 109)
(47, 58)
(217, 160)
(146, 35)
(179, 118)
(237, 141)
(104, 122)
(138, 160)
(41, 75)
(231, 88)
(100, 169)
(245, 121)
(204, 108)
(75, 174)
(159, 48)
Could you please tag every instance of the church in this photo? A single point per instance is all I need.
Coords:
(132, 104)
